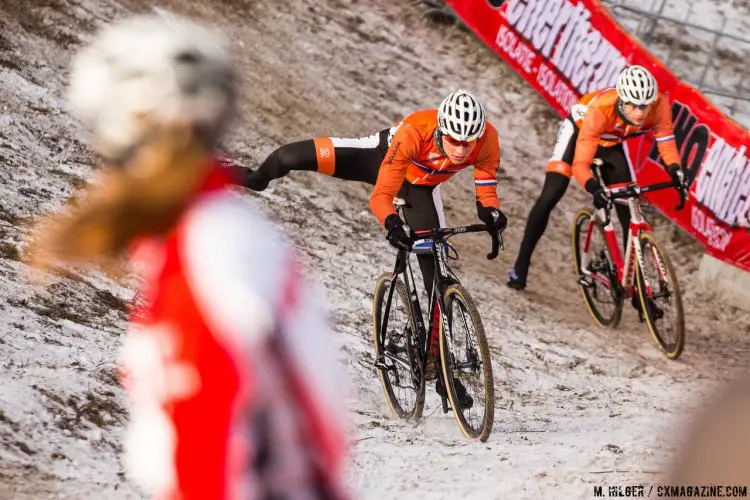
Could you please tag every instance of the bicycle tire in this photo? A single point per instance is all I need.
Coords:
(590, 293)
(405, 411)
(456, 294)
(655, 325)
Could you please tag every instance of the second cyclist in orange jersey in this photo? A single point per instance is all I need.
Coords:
(605, 127)
(596, 128)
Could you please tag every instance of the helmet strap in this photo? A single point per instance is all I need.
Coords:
(438, 137)
(619, 109)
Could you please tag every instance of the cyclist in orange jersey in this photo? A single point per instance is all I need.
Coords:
(410, 161)
(596, 128)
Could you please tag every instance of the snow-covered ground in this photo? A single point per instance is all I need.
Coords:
(577, 406)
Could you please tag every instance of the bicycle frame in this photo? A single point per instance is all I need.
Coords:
(442, 276)
(624, 264)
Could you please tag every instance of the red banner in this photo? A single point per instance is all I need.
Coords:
(566, 48)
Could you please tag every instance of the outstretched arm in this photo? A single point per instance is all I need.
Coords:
(404, 147)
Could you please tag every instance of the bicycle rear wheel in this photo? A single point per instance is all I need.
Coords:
(466, 359)
(397, 357)
(597, 286)
(661, 300)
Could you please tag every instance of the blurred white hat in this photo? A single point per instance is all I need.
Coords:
(149, 71)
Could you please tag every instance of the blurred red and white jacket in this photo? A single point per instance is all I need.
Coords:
(232, 382)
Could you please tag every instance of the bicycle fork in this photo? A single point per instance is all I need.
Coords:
(585, 279)
(432, 347)
(439, 320)
(612, 276)
(415, 341)
(401, 266)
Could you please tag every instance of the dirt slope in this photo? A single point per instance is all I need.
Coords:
(576, 403)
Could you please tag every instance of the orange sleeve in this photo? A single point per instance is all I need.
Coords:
(485, 170)
(664, 132)
(404, 147)
(594, 123)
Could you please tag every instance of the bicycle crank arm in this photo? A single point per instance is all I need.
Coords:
(446, 406)
(380, 365)
(398, 360)
(586, 281)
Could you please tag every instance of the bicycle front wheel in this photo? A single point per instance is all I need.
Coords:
(595, 270)
(660, 297)
(467, 369)
(397, 350)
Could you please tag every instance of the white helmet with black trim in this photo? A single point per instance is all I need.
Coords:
(461, 116)
(636, 85)
(150, 71)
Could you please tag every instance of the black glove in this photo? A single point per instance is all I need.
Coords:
(601, 198)
(676, 173)
(399, 233)
(494, 218)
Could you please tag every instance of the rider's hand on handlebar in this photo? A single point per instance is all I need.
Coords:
(680, 183)
(399, 233)
(677, 174)
(597, 191)
(493, 217)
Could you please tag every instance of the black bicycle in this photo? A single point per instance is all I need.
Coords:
(402, 343)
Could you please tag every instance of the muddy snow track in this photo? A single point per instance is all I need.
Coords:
(576, 405)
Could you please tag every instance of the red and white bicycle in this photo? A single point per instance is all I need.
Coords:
(605, 277)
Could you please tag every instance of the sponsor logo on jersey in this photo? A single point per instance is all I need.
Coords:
(394, 150)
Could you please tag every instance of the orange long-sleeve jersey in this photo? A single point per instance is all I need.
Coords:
(601, 126)
(413, 156)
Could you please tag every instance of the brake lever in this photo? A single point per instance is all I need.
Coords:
(497, 245)
(401, 261)
(682, 189)
(605, 219)
(603, 215)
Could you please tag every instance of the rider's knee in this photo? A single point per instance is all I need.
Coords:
(295, 156)
(551, 195)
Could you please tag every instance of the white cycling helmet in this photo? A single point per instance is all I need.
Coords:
(461, 116)
(636, 85)
(149, 71)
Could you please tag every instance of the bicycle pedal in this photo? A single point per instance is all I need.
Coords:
(380, 365)
(586, 281)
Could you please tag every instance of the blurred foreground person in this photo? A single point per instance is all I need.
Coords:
(717, 449)
(232, 382)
